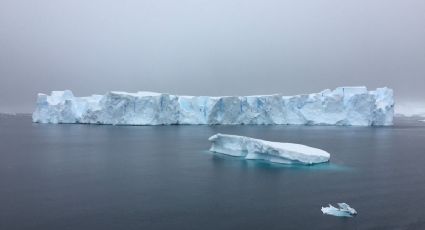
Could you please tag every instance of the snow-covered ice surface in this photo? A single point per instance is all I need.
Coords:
(342, 106)
(343, 210)
(276, 152)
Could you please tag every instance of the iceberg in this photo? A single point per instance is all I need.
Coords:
(275, 152)
(342, 106)
(344, 210)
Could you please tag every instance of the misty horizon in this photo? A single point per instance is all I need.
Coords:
(209, 48)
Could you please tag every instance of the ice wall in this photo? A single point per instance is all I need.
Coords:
(342, 106)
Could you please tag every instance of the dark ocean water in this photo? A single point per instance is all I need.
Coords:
(56, 177)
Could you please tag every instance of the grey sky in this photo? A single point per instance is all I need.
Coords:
(218, 47)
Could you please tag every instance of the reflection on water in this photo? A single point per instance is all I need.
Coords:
(219, 158)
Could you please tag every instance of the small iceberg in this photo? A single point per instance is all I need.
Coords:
(344, 210)
(276, 152)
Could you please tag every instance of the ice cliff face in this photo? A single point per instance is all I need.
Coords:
(276, 152)
(342, 106)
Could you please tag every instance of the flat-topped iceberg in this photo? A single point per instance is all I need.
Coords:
(343, 210)
(276, 152)
(342, 106)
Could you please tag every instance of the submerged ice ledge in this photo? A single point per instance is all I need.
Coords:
(342, 106)
(275, 152)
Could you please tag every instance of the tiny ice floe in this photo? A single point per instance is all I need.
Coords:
(344, 210)
(276, 152)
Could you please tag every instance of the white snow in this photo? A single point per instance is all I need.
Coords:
(276, 152)
(342, 106)
(344, 210)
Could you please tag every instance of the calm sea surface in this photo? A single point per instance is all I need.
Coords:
(56, 177)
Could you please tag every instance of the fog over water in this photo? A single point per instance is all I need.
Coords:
(202, 47)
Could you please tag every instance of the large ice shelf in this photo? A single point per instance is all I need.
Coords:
(342, 106)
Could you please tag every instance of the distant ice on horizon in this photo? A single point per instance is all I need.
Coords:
(410, 109)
